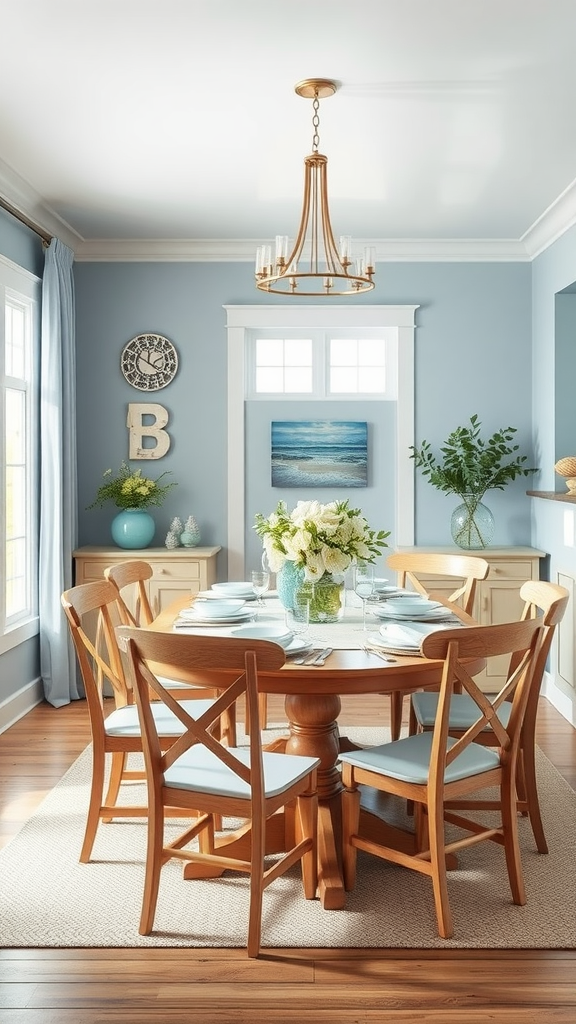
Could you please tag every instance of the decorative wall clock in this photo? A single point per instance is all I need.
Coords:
(149, 362)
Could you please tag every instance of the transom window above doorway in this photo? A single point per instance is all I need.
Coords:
(322, 364)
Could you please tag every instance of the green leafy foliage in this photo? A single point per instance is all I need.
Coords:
(129, 489)
(471, 465)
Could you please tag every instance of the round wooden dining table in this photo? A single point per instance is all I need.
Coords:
(312, 704)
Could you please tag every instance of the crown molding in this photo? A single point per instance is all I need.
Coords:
(229, 250)
(558, 218)
(28, 202)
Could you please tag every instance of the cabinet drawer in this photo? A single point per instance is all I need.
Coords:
(185, 570)
(91, 570)
(511, 571)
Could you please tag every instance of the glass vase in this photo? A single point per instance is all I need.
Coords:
(133, 528)
(472, 524)
(327, 598)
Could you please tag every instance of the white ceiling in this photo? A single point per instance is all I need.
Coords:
(176, 122)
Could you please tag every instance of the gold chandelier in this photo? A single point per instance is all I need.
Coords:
(315, 266)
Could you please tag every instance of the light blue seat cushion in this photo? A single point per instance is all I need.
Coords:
(463, 710)
(409, 759)
(199, 770)
(124, 721)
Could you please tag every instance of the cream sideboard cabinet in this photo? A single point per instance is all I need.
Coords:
(176, 572)
(497, 597)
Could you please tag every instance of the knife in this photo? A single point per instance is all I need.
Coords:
(319, 657)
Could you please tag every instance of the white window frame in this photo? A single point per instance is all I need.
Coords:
(241, 321)
(321, 338)
(21, 287)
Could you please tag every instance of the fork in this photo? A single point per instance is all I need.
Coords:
(379, 654)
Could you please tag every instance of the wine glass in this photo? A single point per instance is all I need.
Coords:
(260, 584)
(364, 585)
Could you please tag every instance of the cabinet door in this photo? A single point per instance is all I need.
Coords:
(496, 601)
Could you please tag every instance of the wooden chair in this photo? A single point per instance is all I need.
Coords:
(129, 579)
(198, 772)
(410, 566)
(551, 600)
(431, 768)
(118, 733)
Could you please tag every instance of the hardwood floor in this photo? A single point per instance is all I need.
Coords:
(215, 986)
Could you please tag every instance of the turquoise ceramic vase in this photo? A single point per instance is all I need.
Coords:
(133, 528)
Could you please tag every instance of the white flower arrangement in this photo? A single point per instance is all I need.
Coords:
(318, 538)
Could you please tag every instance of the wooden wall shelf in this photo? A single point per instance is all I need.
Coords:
(554, 496)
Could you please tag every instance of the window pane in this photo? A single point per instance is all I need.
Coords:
(15, 426)
(269, 352)
(343, 352)
(371, 379)
(298, 379)
(371, 352)
(298, 352)
(343, 381)
(15, 501)
(15, 341)
(16, 597)
(269, 380)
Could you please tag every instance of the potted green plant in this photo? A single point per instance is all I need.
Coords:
(133, 493)
(469, 466)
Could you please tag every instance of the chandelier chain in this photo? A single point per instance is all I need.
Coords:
(316, 124)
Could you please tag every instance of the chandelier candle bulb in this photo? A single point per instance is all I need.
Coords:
(370, 259)
(281, 249)
(346, 248)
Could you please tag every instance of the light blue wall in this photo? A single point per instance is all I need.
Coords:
(19, 666)
(473, 355)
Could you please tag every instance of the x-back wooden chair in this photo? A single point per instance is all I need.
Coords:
(431, 769)
(549, 600)
(91, 611)
(410, 566)
(199, 772)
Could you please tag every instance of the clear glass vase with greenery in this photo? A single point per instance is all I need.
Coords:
(469, 466)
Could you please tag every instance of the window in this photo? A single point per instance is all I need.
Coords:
(18, 454)
(327, 364)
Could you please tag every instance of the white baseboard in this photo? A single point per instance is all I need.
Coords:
(559, 700)
(20, 703)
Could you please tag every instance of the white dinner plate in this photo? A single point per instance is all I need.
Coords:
(222, 610)
(196, 619)
(435, 615)
(242, 590)
(217, 595)
(297, 644)
(413, 604)
(393, 645)
(277, 634)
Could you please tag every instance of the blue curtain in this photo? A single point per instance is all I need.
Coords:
(58, 490)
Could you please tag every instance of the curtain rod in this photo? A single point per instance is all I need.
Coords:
(46, 238)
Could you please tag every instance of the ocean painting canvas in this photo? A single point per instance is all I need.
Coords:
(319, 453)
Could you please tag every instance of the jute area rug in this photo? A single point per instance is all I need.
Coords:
(48, 899)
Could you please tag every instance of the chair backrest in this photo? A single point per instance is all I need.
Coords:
(521, 641)
(92, 611)
(239, 661)
(132, 574)
(551, 600)
(470, 568)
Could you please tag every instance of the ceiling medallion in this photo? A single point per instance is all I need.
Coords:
(315, 266)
